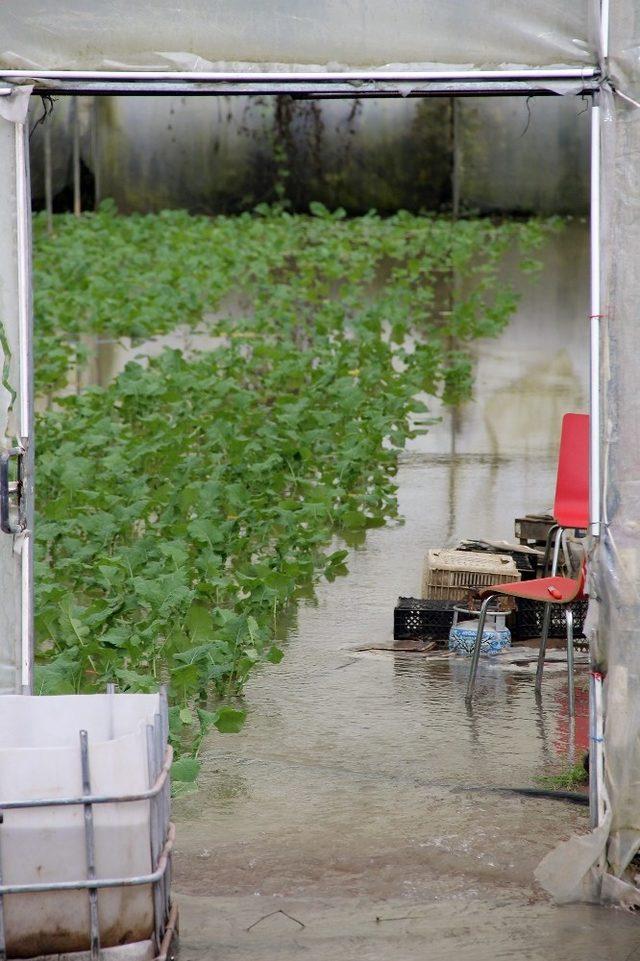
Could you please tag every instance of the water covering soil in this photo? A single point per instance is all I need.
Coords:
(339, 822)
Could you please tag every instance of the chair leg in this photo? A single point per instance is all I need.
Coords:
(546, 621)
(570, 679)
(476, 648)
(547, 548)
(546, 617)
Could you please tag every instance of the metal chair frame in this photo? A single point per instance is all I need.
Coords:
(541, 655)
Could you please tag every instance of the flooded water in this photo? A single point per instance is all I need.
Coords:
(353, 816)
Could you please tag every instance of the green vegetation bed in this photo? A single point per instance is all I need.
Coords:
(182, 507)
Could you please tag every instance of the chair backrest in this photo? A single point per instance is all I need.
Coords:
(571, 506)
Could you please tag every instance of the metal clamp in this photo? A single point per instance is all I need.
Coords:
(8, 490)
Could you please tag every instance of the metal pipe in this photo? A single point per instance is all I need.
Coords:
(26, 614)
(596, 755)
(476, 648)
(95, 155)
(593, 787)
(98, 883)
(456, 168)
(166, 795)
(23, 213)
(96, 798)
(169, 934)
(546, 617)
(3, 939)
(305, 76)
(75, 125)
(48, 176)
(547, 547)
(90, 849)
(25, 358)
(319, 91)
(568, 613)
(154, 837)
(594, 364)
(604, 30)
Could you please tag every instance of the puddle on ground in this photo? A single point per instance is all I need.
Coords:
(342, 820)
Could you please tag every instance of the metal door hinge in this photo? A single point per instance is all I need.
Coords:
(12, 518)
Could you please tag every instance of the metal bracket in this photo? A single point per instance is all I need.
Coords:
(11, 489)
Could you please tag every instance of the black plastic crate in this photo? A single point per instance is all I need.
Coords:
(527, 620)
(422, 620)
(525, 563)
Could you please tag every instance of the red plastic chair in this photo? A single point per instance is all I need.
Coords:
(570, 511)
(570, 508)
(551, 590)
(571, 504)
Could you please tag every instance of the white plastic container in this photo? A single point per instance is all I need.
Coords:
(40, 757)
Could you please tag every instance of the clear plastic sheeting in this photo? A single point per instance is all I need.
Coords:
(617, 575)
(198, 35)
(600, 866)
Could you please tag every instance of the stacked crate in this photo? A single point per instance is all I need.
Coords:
(453, 575)
(449, 578)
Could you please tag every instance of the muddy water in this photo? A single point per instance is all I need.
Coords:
(353, 816)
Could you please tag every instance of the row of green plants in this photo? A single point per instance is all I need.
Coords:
(183, 506)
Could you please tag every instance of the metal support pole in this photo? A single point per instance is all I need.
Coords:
(154, 835)
(75, 122)
(48, 175)
(596, 752)
(89, 838)
(604, 30)
(455, 158)
(3, 936)
(166, 795)
(302, 76)
(594, 365)
(568, 613)
(596, 766)
(161, 829)
(95, 153)
(25, 341)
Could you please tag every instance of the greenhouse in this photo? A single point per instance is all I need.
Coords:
(274, 279)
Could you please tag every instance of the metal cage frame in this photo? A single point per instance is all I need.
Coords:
(161, 840)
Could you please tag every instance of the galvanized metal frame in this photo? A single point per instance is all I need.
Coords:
(322, 77)
(161, 840)
(308, 84)
(303, 85)
(24, 539)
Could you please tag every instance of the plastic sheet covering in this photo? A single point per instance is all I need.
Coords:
(599, 866)
(617, 582)
(198, 35)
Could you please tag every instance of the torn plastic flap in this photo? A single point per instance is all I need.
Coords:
(15, 105)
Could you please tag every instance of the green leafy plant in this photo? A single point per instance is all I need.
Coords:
(572, 779)
(184, 505)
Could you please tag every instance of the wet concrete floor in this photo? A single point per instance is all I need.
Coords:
(352, 818)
